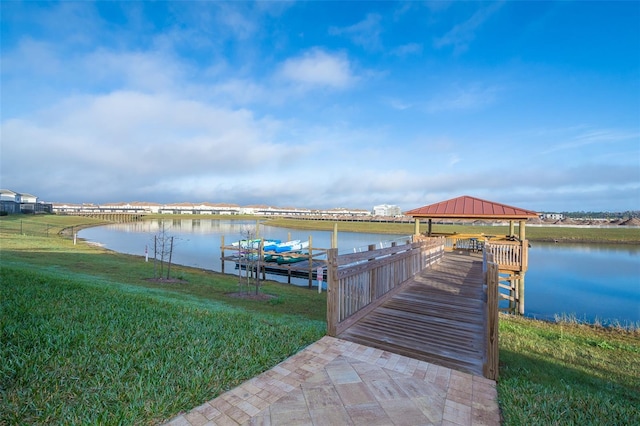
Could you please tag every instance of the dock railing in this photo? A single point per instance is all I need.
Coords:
(512, 258)
(491, 355)
(510, 255)
(359, 282)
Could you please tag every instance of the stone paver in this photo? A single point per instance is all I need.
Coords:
(335, 382)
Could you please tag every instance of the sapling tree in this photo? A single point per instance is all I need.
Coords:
(249, 254)
(163, 244)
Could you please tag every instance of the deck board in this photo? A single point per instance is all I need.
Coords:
(437, 317)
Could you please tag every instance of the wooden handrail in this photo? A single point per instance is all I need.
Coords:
(358, 282)
(509, 255)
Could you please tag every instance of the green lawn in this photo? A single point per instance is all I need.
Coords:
(568, 374)
(88, 338)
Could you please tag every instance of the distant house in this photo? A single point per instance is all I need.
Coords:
(202, 208)
(14, 202)
(9, 201)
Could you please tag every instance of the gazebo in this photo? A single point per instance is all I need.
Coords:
(511, 256)
(472, 208)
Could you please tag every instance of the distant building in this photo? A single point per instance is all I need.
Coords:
(344, 212)
(206, 208)
(386, 210)
(552, 216)
(14, 202)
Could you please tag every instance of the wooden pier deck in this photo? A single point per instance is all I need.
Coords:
(437, 317)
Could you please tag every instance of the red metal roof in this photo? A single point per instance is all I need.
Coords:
(466, 207)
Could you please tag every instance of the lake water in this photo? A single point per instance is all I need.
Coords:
(589, 282)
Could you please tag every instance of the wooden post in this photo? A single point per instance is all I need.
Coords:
(524, 260)
(310, 258)
(430, 227)
(511, 229)
(521, 294)
(222, 252)
(416, 226)
(334, 237)
(490, 367)
(332, 291)
(373, 276)
(262, 265)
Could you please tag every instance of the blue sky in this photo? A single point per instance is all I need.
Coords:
(323, 104)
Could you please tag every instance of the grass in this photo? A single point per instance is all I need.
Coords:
(87, 338)
(49, 254)
(78, 350)
(546, 233)
(53, 224)
(568, 373)
(45, 225)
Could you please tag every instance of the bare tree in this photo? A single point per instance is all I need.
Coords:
(249, 256)
(162, 249)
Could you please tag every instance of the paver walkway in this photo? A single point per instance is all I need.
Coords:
(335, 382)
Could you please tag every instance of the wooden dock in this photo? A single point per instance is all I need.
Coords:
(438, 316)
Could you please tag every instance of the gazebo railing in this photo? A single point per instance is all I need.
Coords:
(509, 255)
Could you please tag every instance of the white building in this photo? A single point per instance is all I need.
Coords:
(552, 216)
(386, 210)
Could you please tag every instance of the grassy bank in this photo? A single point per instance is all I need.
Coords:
(50, 225)
(547, 233)
(88, 338)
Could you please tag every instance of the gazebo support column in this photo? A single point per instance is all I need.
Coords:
(416, 226)
(521, 294)
(430, 224)
(525, 260)
(511, 229)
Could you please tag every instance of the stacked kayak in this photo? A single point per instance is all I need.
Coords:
(255, 244)
(274, 250)
(283, 249)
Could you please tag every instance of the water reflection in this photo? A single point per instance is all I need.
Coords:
(590, 282)
(585, 280)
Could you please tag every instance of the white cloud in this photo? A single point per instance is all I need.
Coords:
(92, 140)
(317, 68)
(463, 98)
(461, 35)
(407, 49)
(140, 70)
(399, 104)
(236, 21)
(365, 33)
(593, 137)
